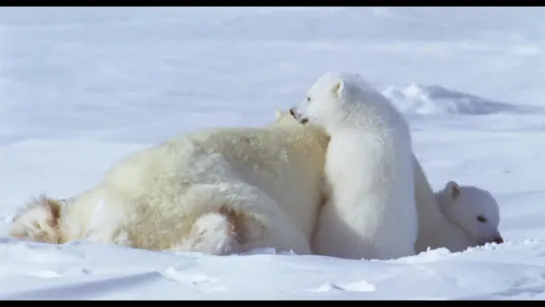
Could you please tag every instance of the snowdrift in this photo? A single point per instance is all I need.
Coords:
(434, 99)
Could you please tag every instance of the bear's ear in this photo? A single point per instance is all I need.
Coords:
(277, 114)
(340, 88)
(54, 208)
(453, 189)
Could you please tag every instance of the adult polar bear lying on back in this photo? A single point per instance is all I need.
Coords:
(219, 191)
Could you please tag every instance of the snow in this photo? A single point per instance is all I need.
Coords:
(81, 88)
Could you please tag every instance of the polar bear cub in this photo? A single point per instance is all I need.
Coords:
(474, 211)
(445, 219)
(370, 212)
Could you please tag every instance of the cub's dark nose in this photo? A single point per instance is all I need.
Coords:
(498, 240)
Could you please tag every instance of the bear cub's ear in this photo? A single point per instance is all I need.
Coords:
(453, 189)
(277, 114)
(341, 88)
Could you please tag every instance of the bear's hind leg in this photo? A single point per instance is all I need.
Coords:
(224, 231)
(213, 233)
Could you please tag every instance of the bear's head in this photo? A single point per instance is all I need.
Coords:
(288, 118)
(324, 102)
(334, 96)
(473, 210)
(38, 221)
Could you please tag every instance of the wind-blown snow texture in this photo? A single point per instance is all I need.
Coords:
(82, 87)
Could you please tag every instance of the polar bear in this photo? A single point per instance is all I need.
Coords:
(445, 219)
(218, 191)
(370, 211)
(474, 211)
(40, 221)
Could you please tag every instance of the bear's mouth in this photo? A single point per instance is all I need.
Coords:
(303, 120)
(497, 239)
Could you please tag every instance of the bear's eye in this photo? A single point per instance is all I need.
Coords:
(481, 219)
(308, 99)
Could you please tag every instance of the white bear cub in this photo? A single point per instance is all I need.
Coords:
(474, 211)
(371, 211)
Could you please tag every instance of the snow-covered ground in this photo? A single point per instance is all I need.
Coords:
(82, 87)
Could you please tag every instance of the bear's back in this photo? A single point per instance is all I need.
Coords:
(284, 161)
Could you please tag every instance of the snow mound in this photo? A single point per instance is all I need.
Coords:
(434, 99)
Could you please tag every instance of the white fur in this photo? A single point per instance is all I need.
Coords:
(443, 216)
(474, 211)
(38, 220)
(434, 228)
(438, 227)
(371, 211)
(218, 191)
(211, 232)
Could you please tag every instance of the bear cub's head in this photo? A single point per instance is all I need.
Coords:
(472, 209)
